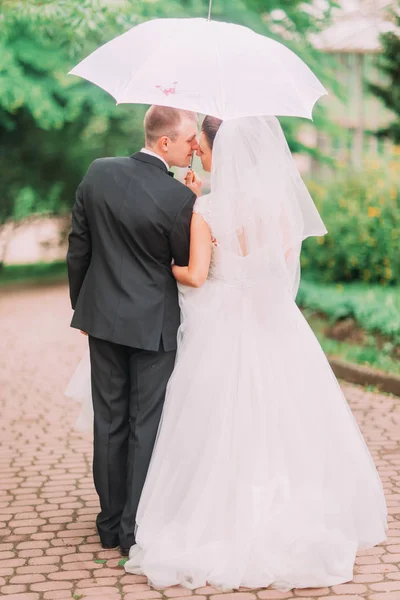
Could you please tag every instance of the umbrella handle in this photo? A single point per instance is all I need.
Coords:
(209, 10)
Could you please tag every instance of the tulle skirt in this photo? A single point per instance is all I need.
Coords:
(80, 389)
(260, 475)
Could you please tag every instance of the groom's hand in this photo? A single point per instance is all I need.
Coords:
(193, 182)
(83, 332)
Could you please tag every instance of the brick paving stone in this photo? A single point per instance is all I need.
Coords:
(42, 536)
(368, 578)
(274, 595)
(6, 572)
(190, 598)
(368, 560)
(51, 585)
(60, 551)
(24, 530)
(23, 596)
(67, 575)
(99, 591)
(13, 589)
(33, 569)
(74, 557)
(96, 582)
(207, 590)
(385, 596)
(12, 562)
(386, 586)
(58, 595)
(143, 587)
(112, 562)
(29, 578)
(128, 578)
(234, 596)
(106, 596)
(376, 568)
(143, 595)
(344, 597)
(311, 592)
(350, 588)
(173, 592)
(88, 564)
(34, 545)
(5, 555)
(48, 503)
(391, 558)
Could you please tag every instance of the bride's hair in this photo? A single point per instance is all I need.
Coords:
(210, 128)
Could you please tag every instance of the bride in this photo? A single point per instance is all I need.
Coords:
(260, 475)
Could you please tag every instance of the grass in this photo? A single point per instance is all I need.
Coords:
(38, 273)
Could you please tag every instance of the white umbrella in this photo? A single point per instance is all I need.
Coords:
(214, 68)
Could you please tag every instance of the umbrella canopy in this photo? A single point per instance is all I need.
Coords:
(214, 68)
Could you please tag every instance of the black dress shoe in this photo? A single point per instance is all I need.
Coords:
(124, 551)
(110, 545)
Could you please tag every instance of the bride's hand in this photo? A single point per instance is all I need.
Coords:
(179, 273)
(193, 182)
(176, 271)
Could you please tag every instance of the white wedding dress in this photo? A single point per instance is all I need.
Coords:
(260, 475)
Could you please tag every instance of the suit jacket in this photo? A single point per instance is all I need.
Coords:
(129, 221)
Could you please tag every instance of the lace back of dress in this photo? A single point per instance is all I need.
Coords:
(259, 209)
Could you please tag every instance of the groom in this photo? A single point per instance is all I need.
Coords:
(129, 221)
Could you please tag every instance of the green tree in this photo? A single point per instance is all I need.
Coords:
(53, 125)
(389, 94)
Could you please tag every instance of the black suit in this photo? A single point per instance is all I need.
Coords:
(129, 221)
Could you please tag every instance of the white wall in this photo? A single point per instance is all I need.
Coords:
(37, 239)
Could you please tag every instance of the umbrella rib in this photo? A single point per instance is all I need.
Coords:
(220, 79)
(209, 10)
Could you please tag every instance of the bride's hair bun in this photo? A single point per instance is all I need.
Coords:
(210, 128)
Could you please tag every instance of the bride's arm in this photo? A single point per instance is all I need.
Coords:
(196, 273)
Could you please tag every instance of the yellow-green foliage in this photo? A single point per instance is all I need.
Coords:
(361, 210)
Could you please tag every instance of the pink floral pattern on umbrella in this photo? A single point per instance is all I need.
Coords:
(168, 91)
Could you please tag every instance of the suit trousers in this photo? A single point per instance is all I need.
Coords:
(128, 391)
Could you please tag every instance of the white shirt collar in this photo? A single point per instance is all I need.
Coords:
(151, 153)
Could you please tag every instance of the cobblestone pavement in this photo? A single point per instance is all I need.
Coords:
(49, 548)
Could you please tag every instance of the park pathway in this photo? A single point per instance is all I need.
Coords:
(49, 549)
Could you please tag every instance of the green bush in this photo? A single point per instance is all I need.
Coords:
(33, 273)
(361, 210)
(28, 201)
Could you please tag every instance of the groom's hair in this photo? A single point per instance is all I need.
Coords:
(163, 120)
